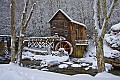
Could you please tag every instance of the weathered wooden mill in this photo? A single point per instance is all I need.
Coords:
(67, 34)
(74, 32)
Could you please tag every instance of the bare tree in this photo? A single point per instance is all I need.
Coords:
(100, 30)
(23, 29)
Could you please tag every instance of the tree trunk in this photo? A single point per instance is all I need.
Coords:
(20, 47)
(99, 52)
(100, 55)
(13, 31)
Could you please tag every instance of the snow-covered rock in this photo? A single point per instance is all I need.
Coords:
(113, 39)
(48, 63)
(63, 66)
(116, 27)
(76, 65)
(70, 63)
(84, 64)
(87, 68)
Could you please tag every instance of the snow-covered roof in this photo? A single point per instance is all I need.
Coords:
(62, 12)
(116, 27)
(79, 23)
(68, 18)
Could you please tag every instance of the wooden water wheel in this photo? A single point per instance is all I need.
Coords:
(66, 45)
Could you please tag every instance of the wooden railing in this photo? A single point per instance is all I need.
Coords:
(40, 42)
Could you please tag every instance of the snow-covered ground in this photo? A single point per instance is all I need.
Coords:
(14, 72)
(89, 57)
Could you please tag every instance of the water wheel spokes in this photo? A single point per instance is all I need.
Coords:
(66, 45)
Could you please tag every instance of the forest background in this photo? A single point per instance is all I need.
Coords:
(79, 10)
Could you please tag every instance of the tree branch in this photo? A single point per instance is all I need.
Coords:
(104, 8)
(111, 8)
(106, 20)
(24, 17)
(96, 19)
(98, 11)
(30, 16)
(13, 18)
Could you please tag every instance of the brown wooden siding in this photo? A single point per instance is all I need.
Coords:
(78, 32)
(60, 24)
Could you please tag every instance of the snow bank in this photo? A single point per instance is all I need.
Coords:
(83, 76)
(14, 72)
(11, 75)
(106, 75)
